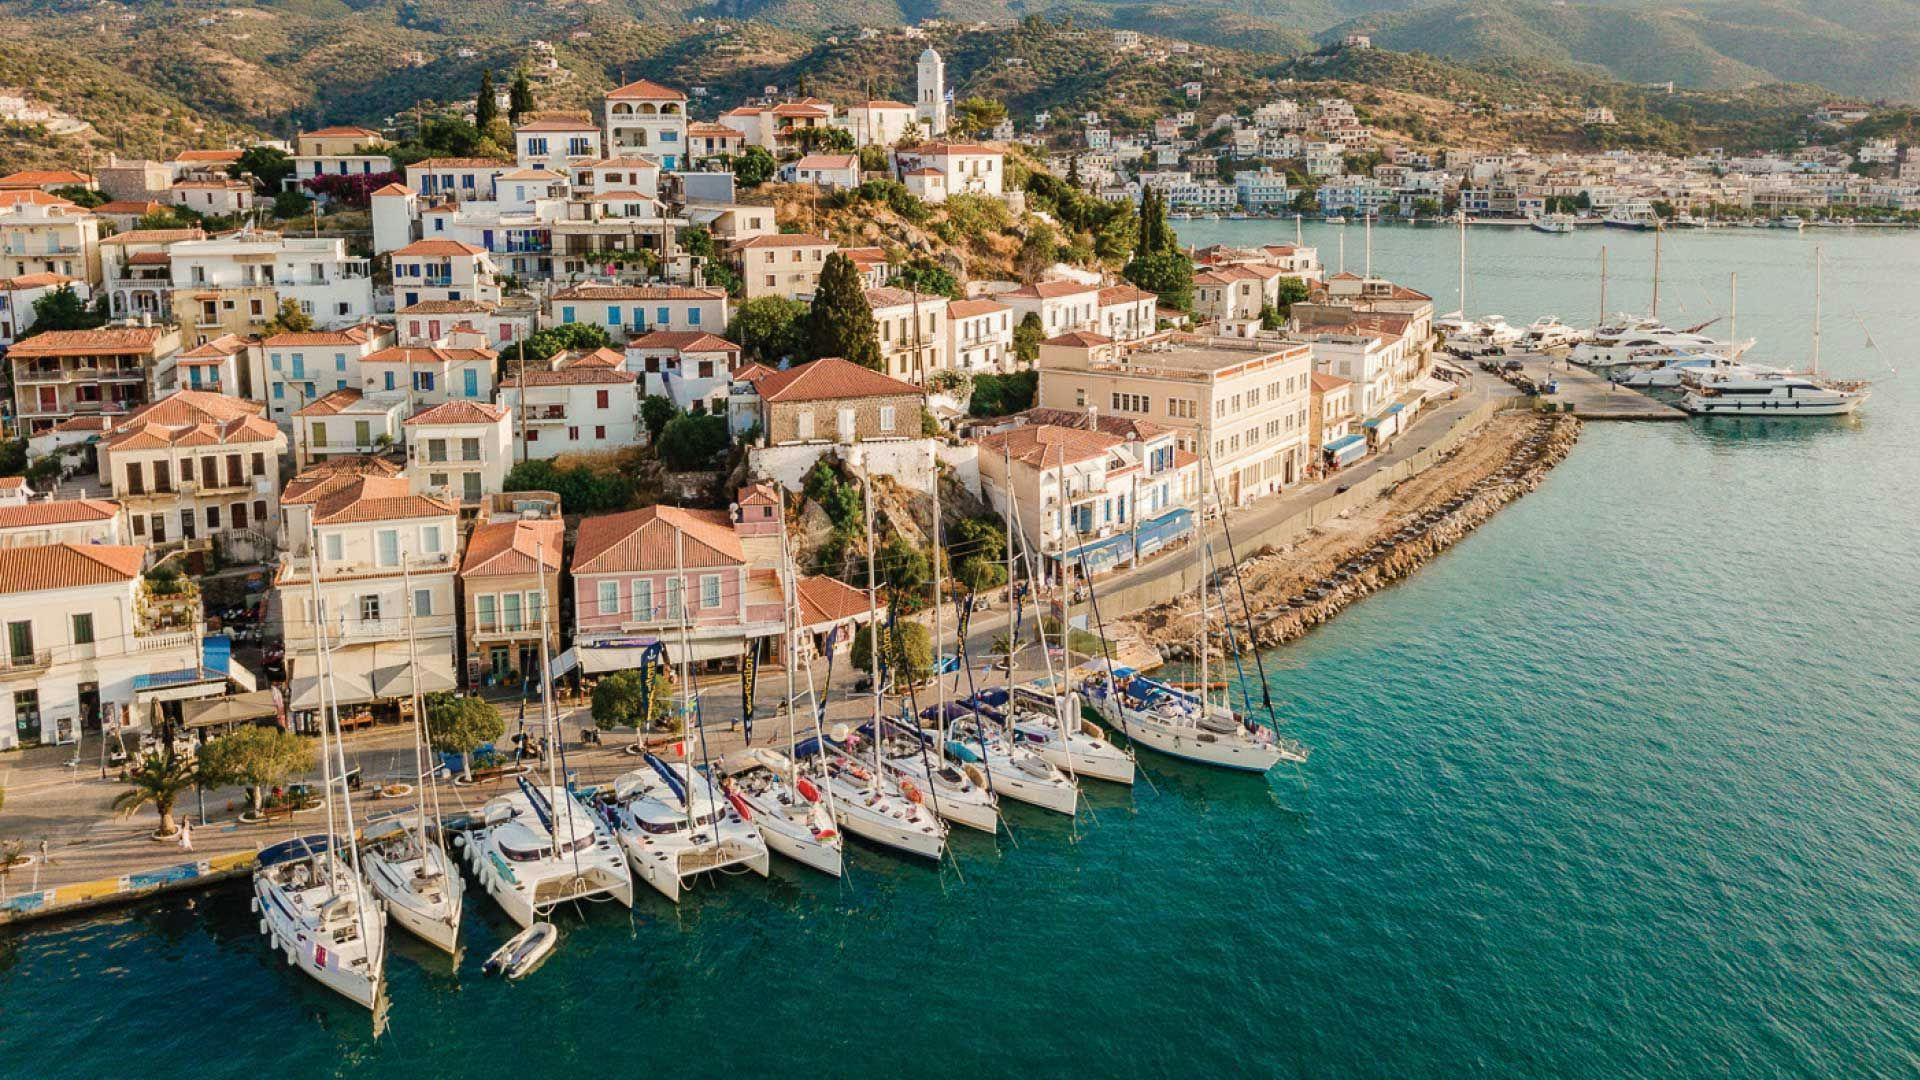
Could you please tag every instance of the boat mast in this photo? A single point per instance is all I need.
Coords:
(1603, 286)
(788, 570)
(322, 682)
(1657, 231)
(413, 676)
(1463, 264)
(689, 696)
(1201, 554)
(346, 799)
(1816, 309)
(1296, 230)
(1013, 604)
(1066, 621)
(1733, 312)
(939, 695)
(873, 619)
(546, 685)
(1369, 262)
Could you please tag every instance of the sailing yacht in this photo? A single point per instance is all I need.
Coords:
(868, 804)
(675, 825)
(316, 909)
(1179, 723)
(1018, 772)
(539, 846)
(408, 867)
(1036, 719)
(958, 793)
(791, 812)
(315, 906)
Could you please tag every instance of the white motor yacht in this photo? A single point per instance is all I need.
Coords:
(870, 805)
(416, 879)
(1547, 332)
(675, 825)
(791, 811)
(1675, 372)
(1730, 394)
(1556, 224)
(539, 847)
(1636, 215)
(322, 915)
(1650, 345)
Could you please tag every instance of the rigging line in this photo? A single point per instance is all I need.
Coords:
(973, 695)
(1106, 651)
(1246, 612)
(913, 702)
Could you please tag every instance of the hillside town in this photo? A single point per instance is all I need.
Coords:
(354, 427)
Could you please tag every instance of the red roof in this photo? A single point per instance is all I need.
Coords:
(645, 90)
(439, 247)
(1050, 290)
(193, 418)
(56, 512)
(67, 566)
(425, 354)
(374, 498)
(967, 309)
(825, 600)
(599, 291)
(106, 341)
(1079, 339)
(580, 374)
(830, 379)
(456, 412)
(686, 341)
(1045, 446)
(501, 548)
(645, 539)
(783, 240)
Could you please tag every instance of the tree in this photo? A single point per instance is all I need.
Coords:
(13, 457)
(461, 725)
(924, 274)
(288, 205)
(486, 111)
(753, 166)
(256, 757)
(904, 566)
(769, 329)
(543, 345)
(1003, 395)
(909, 651)
(1293, 291)
(1270, 317)
(691, 441)
(655, 413)
(268, 165)
(1027, 337)
(62, 309)
(1166, 273)
(581, 489)
(519, 97)
(618, 701)
(80, 196)
(159, 779)
(840, 323)
(289, 320)
(975, 116)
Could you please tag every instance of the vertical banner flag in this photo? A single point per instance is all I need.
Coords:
(649, 656)
(748, 670)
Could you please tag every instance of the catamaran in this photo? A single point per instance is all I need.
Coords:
(314, 905)
(675, 825)
(406, 863)
(541, 846)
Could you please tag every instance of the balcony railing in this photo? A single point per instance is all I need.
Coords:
(25, 663)
(390, 629)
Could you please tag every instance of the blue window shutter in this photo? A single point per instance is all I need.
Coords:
(566, 314)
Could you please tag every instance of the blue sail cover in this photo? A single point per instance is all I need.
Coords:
(541, 808)
(673, 779)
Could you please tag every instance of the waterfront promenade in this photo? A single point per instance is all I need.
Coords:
(68, 806)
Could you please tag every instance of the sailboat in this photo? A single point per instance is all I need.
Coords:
(913, 760)
(409, 869)
(866, 801)
(794, 815)
(314, 905)
(540, 846)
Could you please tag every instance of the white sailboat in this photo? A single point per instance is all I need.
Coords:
(958, 793)
(315, 906)
(406, 863)
(540, 846)
(675, 825)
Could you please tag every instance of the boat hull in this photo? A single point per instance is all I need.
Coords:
(289, 937)
(1704, 406)
(808, 850)
(1109, 763)
(437, 924)
(879, 828)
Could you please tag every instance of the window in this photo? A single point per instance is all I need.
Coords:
(535, 608)
(675, 588)
(436, 449)
(83, 628)
(422, 602)
(693, 316)
(470, 383)
(370, 607)
(642, 598)
(469, 448)
(613, 315)
(609, 598)
(387, 543)
(886, 417)
(470, 487)
(335, 547)
(803, 424)
(483, 612)
(709, 590)
(600, 399)
(213, 518)
(664, 317)
(510, 611)
(430, 539)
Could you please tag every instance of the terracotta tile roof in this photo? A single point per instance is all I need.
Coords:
(825, 600)
(502, 548)
(754, 373)
(629, 161)
(154, 236)
(645, 540)
(829, 161)
(622, 196)
(925, 170)
(1323, 382)
(222, 157)
(1079, 339)
(67, 566)
(83, 423)
(881, 103)
(598, 358)
(865, 258)
(425, 354)
(396, 189)
(331, 475)
(332, 404)
(645, 90)
(686, 341)
(943, 149)
(35, 281)
(783, 240)
(461, 163)
(34, 197)
(212, 185)
(830, 379)
(193, 418)
(34, 178)
(439, 247)
(456, 412)
(578, 374)
(601, 291)
(558, 123)
(538, 172)
(801, 111)
(127, 206)
(355, 335)
(1122, 426)
(886, 296)
(759, 492)
(374, 498)
(217, 348)
(449, 307)
(967, 309)
(149, 258)
(1124, 294)
(1050, 290)
(105, 341)
(56, 512)
(713, 131)
(1045, 446)
(340, 131)
(13, 483)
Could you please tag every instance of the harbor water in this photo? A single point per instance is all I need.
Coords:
(1623, 785)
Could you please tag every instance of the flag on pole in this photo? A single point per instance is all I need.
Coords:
(748, 671)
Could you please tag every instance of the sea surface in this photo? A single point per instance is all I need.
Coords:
(1626, 784)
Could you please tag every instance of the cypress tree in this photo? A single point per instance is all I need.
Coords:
(519, 97)
(485, 109)
(840, 323)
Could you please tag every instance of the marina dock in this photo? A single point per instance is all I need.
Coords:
(1592, 396)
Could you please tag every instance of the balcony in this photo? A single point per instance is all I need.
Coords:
(351, 630)
(504, 630)
(27, 663)
(551, 414)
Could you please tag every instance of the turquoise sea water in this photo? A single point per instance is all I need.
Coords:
(1623, 785)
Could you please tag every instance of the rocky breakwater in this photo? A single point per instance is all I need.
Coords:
(1294, 589)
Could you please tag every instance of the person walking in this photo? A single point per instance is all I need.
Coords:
(186, 834)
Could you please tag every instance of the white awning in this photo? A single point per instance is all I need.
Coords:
(594, 661)
(712, 649)
(396, 680)
(597, 659)
(352, 681)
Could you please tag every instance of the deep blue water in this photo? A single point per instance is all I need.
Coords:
(1623, 785)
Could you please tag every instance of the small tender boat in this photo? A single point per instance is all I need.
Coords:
(524, 951)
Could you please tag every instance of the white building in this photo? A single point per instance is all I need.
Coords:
(1061, 305)
(912, 330)
(236, 283)
(647, 117)
(584, 408)
(691, 368)
(459, 451)
(197, 466)
(45, 234)
(930, 109)
(880, 122)
(556, 143)
(428, 270)
(302, 368)
(980, 336)
(969, 168)
(635, 310)
(348, 423)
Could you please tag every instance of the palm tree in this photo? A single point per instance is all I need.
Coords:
(159, 778)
